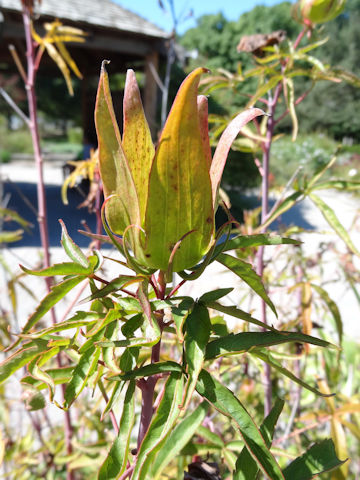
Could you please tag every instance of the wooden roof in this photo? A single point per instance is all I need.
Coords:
(102, 13)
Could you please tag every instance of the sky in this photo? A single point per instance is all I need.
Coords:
(150, 10)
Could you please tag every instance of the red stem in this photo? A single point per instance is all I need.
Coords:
(42, 211)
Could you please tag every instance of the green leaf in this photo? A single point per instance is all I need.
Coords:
(320, 458)
(284, 206)
(333, 221)
(35, 402)
(249, 241)
(15, 217)
(21, 357)
(71, 249)
(132, 324)
(59, 376)
(56, 294)
(338, 185)
(161, 425)
(179, 314)
(10, 237)
(242, 342)
(332, 307)
(264, 88)
(245, 271)
(266, 356)
(237, 313)
(148, 370)
(112, 287)
(214, 295)
(198, 328)
(115, 462)
(246, 468)
(178, 438)
(226, 403)
(66, 268)
(180, 199)
(80, 319)
(87, 365)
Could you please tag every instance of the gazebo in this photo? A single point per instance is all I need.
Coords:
(113, 33)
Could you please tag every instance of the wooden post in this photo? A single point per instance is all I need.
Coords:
(150, 91)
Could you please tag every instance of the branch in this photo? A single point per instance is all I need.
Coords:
(13, 105)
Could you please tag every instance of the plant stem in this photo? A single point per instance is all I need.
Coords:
(264, 211)
(148, 386)
(42, 211)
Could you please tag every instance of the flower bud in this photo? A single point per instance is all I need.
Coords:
(320, 11)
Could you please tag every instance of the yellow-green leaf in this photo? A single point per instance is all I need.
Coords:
(179, 204)
(137, 143)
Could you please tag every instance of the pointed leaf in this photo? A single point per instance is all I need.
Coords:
(197, 328)
(56, 294)
(242, 342)
(122, 210)
(179, 314)
(137, 143)
(266, 356)
(226, 402)
(214, 295)
(59, 376)
(66, 268)
(178, 438)
(237, 313)
(202, 105)
(246, 467)
(225, 142)
(87, 365)
(329, 215)
(245, 271)
(21, 357)
(247, 241)
(160, 426)
(320, 458)
(148, 370)
(179, 199)
(115, 462)
(72, 250)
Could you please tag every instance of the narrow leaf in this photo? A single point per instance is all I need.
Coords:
(226, 403)
(237, 313)
(160, 426)
(214, 295)
(320, 458)
(148, 370)
(115, 462)
(179, 314)
(198, 328)
(21, 357)
(246, 468)
(56, 294)
(333, 221)
(179, 437)
(242, 342)
(66, 268)
(226, 140)
(250, 241)
(266, 356)
(245, 271)
(84, 369)
(72, 250)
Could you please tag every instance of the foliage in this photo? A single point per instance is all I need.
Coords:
(141, 340)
